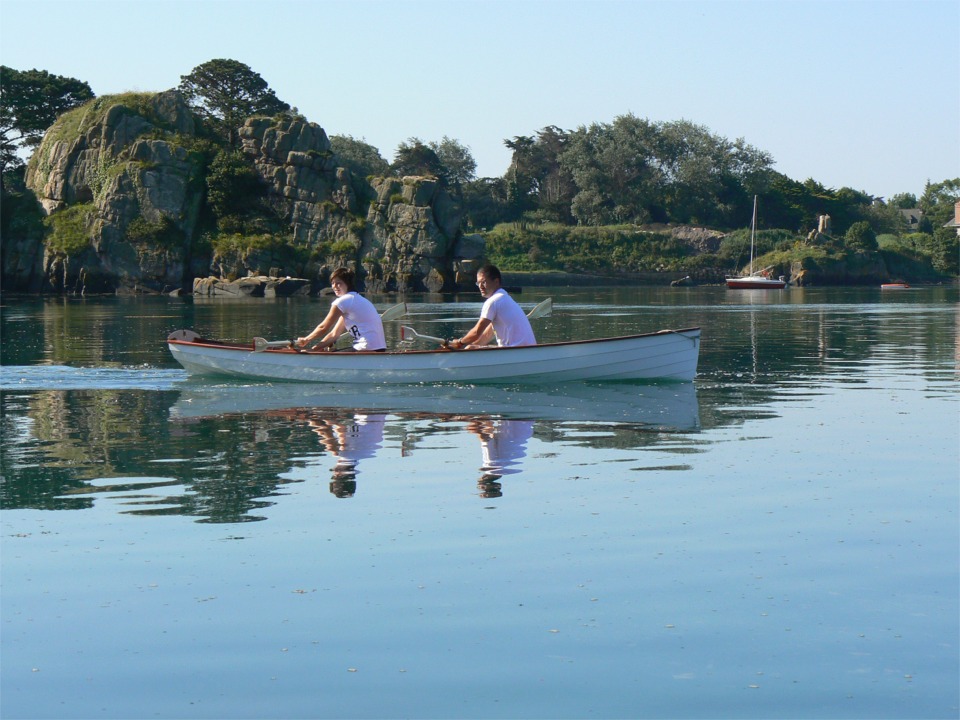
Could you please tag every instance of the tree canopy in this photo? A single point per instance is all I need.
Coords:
(458, 164)
(30, 102)
(359, 157)
(413, 157)
(634, 171)
(226, 93)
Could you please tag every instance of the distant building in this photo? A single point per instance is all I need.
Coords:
(955, 223)
(912, 218)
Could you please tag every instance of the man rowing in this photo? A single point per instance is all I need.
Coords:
(500, 316)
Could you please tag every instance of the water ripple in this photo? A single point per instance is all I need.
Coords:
(63, 377)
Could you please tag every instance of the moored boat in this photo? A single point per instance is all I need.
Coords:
(755, 280)
(663, 355)
(894, 286)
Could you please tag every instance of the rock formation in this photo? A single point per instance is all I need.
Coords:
(123, 183)
(132, 190)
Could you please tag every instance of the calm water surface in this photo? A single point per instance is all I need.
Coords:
(777, 539)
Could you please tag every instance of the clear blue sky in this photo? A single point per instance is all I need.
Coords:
(856, 93)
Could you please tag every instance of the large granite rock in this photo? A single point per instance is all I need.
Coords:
(401, 241)
(121, 159)
(409, 236)
(122, 170)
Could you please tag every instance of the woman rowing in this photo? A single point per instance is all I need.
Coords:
(351, 313)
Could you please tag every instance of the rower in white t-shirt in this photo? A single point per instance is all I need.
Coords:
(500, 317)
(350, 312)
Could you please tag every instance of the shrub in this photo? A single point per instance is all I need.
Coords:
(236, 243)
(21, 216)
(860, 236)
(232, 185)
(343, 247)
(162, 233)
(69, 233)
(551, 246)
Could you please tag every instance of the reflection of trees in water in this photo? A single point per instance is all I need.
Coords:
(224, 466)
(82, 434)
(607, 436)
(67, 449)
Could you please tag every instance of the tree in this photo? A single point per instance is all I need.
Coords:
(707, 179)
(861, 237)
(359, 157)
(611, 167)
(485, 202)
(415, 158)
(226, 93)
(231, 183)
(903, 201)
(945, 250)
(30, 102)
(521, 181)
(938, 200)
(459, 167)
(536, 176)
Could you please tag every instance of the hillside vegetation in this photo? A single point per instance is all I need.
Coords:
(220, 177)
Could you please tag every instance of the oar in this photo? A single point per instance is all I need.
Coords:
(409, 334)
(260, 344)
(541, 309)
(394, 313)
(391, 313)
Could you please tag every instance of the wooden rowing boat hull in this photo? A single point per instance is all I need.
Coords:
(664, 355)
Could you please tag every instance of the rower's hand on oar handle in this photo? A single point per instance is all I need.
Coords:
(454, 344)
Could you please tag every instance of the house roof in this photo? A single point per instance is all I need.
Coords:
(912, 216)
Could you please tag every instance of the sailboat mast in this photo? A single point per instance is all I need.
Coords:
(753, 230)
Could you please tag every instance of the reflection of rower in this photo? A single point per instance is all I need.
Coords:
(504, 444)
(349, 441)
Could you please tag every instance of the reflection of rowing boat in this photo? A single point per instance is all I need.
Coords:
(669, 406)
(664, 355)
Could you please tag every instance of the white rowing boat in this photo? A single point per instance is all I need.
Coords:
(663, 355)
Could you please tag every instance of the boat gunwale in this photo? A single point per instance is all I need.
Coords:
(249, 347)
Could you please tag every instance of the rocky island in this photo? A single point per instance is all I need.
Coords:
(123, 181)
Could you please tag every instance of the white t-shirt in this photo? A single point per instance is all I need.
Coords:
(359, 439)
(503, 452)
(362, 321)
(510, 323)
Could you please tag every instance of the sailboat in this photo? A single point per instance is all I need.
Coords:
(761, 279)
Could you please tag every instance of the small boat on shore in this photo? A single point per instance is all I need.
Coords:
(664, 355)
(894, 286)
